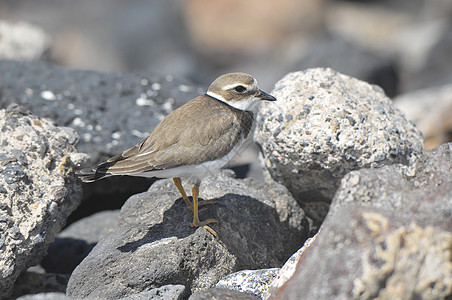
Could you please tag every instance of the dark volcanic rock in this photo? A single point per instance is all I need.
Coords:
(76, 241)
(388, 235)
(38, 189)
(259, 226)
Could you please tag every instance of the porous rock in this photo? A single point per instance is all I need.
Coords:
(259, 226)
(38, 190)
(388, 235)
(326, 124)
(254, 282)
(222, 294)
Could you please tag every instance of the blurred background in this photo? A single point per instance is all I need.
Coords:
(404, 46)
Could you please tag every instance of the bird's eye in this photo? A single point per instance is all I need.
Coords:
(240, 89)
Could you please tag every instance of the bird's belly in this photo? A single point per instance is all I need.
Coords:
(194, 171)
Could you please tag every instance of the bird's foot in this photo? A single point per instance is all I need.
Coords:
(204, 225)
(201, 204)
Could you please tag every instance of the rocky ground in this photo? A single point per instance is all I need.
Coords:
(350, 196)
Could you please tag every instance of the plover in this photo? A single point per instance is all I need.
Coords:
(193, 140)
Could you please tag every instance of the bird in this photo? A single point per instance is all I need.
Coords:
(192, 141)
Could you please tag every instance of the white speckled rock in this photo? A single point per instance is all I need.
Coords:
(38, 190)
(326, 124)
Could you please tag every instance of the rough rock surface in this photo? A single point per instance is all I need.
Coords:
(109, 111)
(38, 190)
(259, 226)
(326, 124)
(22, 41)
(222, 294)
(388, 235)
(76, 241)
(249, 281)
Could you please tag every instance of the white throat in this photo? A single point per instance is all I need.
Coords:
(242, 105)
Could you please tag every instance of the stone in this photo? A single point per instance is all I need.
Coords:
(38, 189)
(430, 109)
(30, 282)
(23, 41)
(222, 294)
(326, 124)
(287, 271)
(249, 281)
(77, 240)
(259, 226)
(46, 296)
(388, 235)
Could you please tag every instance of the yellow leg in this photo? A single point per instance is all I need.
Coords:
(180, 188)
(196, 222)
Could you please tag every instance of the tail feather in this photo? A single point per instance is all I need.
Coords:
(91, 175)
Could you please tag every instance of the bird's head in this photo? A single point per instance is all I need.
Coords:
(239, 90)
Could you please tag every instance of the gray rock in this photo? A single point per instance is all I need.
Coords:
(34, 283)
(287, 271)
(259, 226)
(22, 41)
(254, 282)
(334, 51)
(109, 111)
(46, 296)
(388, 235)
(326, 124)
(430, 109)
(222, 294)
(75, 242)
(38, 189)
(166, 292)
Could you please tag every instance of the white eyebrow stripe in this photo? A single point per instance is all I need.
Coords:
(216, 96)
(230, 86)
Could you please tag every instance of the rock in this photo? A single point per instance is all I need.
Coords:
(109, 111)
(222, 294)
(34, 283)
(287, 271)
(249, 281)
(346, 57)
(259, 226)
(22, 41)
(38, 189)
(46, 296)
(326, 124)
(165, 292)
(430, 109)
(388, 235)
(76, 241)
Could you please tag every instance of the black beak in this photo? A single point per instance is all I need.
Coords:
(264, 96)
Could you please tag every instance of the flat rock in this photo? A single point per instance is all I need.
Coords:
(259, 226)
(77, 240)
(38, 189)
(388, 235)
(326, 124)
